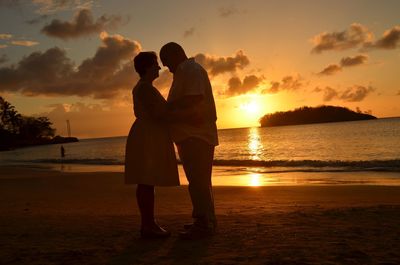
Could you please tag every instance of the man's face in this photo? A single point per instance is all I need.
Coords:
(170, 63)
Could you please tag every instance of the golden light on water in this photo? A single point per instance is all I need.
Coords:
(255, 146)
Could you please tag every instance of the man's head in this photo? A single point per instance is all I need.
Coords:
(171, 55)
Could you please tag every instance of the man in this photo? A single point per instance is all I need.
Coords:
(194, 131)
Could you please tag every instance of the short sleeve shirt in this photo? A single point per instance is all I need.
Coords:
(190, 79)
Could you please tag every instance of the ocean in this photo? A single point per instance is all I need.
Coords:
(356, 146)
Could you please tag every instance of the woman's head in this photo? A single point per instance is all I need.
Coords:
(145, 62)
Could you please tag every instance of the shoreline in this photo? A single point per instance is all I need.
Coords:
(243, 176)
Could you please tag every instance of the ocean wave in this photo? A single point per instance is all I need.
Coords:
(265, 166)
(315, 165)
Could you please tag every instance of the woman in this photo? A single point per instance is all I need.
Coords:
(150, 157)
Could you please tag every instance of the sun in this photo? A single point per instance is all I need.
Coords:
(251, 107)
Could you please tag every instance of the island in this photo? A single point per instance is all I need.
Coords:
(17, 130)
(309, 115)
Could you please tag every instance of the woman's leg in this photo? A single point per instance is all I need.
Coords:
(145, 201)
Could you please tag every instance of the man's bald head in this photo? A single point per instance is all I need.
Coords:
(171, 55)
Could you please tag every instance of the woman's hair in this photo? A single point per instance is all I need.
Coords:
(143, 61)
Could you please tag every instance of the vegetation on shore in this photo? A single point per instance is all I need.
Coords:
(17, 130)
(308, 115)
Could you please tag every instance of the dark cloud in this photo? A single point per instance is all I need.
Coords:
(219, 65)
(317, 89)
(352, 37)
(355, 93)
(189, 32)
(289, 83)
(329, 94)
(52, 6)
(3, 58)
(237, 87)
(82, 24)
(37, 20)
(10, 3)
(48, 6)
(273, 89)
(53, 73)
(353, 61)
(344, 62)
(331, 69)
(389, 40)
(227, 11)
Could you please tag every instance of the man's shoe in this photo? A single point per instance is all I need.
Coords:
(197, 232)
(190, 225)
(187, 226)
(154, 232)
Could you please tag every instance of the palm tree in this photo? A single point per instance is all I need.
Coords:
(10, 118)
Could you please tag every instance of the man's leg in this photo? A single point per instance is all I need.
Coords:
(197, 157)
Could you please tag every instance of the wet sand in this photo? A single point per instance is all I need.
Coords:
(52, 217)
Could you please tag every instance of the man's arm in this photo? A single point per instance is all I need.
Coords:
(186, 110)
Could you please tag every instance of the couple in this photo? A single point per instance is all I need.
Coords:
(187, 118)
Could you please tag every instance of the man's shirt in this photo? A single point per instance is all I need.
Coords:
(190, 79)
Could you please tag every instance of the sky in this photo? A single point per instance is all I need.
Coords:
(72, 59)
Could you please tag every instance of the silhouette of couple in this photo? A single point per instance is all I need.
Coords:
(187, 118)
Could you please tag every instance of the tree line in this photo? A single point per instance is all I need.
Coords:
(307, 115)
(17, 130)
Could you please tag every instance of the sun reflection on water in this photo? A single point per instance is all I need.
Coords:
(255, 146)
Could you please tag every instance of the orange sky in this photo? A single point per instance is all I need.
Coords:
(261, 56)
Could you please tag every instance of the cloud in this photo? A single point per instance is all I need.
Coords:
(81, 25)
(91, 120)
(220, 65)
(26, 43)
(37, 19)
(288, 83)
(52, 73)
(53, 6)
(355, 93)
(9, 3)
(5, 36)
(389, 40)
(189, 32)
(48, 6)
(329, 94)
(227, 11)
(3, 58)
(344, 62)
(237, 87)
(331, 69)
(163, 82)
(274, 88)
(353, 61)
(352, 37)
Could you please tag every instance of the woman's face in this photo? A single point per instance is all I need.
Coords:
(153, 70)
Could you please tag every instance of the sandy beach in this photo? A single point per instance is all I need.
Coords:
(52, 217)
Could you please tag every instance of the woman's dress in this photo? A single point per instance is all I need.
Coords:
(150, 157)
